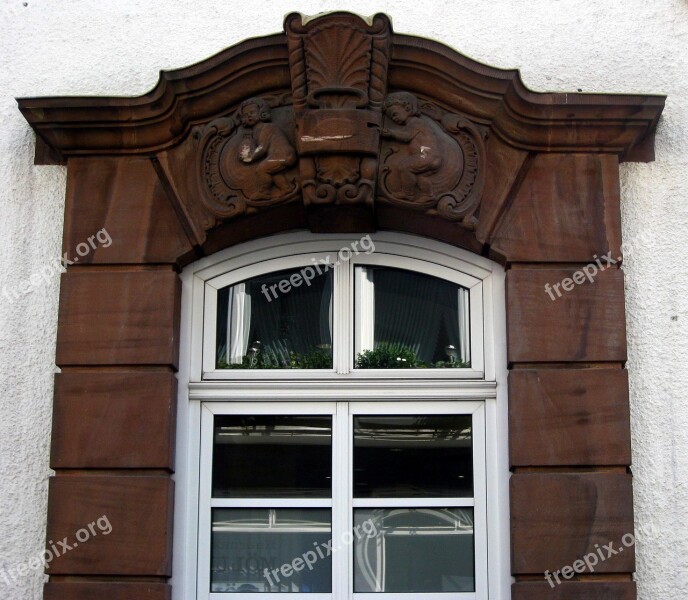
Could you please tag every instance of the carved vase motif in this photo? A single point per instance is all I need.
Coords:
(339, 77)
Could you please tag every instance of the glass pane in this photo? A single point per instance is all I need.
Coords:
(268, 456)
(414, 550)
(277, 321)
(407, 320)
(271, 550)
(413, 456)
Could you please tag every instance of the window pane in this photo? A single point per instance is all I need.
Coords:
(413, 456)
(277, 321)
(414, 550)
(407, 319)
(271, 550)
(267, 456)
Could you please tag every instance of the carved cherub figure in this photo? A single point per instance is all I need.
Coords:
(265, 147)
(424, 150)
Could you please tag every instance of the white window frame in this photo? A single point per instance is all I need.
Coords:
(404, 387)
(342, 503)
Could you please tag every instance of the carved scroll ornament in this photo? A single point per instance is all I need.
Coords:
(339, 139)
(430, 160)
(248, 160)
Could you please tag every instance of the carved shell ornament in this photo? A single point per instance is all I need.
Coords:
(248, 160)
(431, 160)
(339, 77)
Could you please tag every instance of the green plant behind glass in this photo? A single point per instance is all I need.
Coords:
(269, 358)
(391, 355)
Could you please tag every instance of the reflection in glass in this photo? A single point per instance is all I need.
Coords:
(416, 550)
(407, 319)
(278, 456)
(251, 545)
(413, 456)
(277, 321)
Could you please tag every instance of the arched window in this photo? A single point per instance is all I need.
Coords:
(422, 310)
(343, 420)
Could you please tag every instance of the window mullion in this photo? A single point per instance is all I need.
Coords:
(341, 503)
(342, 318)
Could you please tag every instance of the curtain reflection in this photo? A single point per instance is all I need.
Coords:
(417, 311)
(258, 326)
(423, 319)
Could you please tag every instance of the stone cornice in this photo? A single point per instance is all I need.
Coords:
(494, 98)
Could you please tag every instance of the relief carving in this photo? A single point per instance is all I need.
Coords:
(339, 141)
(430, 161)
(248, 159)
(338, 67)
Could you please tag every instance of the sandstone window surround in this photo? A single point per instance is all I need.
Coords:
(537, 191)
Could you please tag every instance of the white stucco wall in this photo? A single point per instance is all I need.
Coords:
(82, 47)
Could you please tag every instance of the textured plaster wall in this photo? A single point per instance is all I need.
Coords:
(83, 47)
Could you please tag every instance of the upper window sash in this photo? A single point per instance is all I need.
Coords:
(451, 264)
(351, 317)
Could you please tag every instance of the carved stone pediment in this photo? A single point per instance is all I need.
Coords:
(340, 125)
(339, 139)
